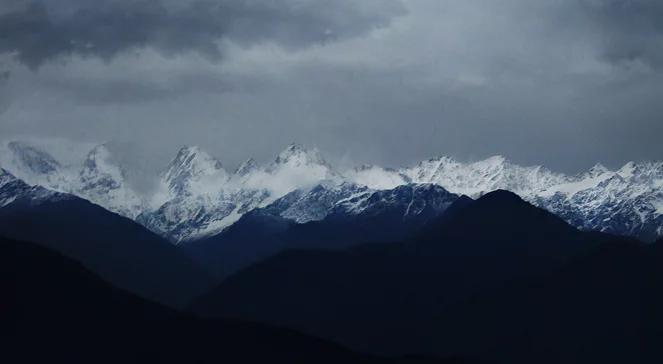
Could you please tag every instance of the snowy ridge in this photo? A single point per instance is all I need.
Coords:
(203, 198)
(411, 199)
(198, 197)
(475, 179)
(96, 177)
(314, 203)
(102, 181)
(13, 189)
(35, 166)
(626, 201)
(194, 172)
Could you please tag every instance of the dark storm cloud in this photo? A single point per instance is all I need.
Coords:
(4, 97)
(631, 30)
(39, 30)
(564, 83)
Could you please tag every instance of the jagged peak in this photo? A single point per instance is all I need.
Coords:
(101, 157)
(246, 167)
(300, 155)
(188, 150)
(33, 158)
(193, 160)
(627, 169)
(597, 170)
(101, 170)
(194, 172)
(646, 169)
(6, 177)
(98, 154)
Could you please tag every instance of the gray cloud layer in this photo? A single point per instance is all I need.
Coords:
(566, 83)
(631, 29)
(39, 30)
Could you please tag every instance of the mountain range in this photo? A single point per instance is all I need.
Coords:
(494, 278)
(383, 262)
(197, 198)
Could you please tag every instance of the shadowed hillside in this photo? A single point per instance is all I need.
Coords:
(56, 311)
(393, 298)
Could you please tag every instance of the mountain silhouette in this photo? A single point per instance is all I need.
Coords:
(118, 249)
(391, 297)
(55, 310)
(603, 307)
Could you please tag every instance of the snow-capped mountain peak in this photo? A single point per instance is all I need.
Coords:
(193, 171)
(597, 170)
(13, 189)
(103, 181)
(247, 167)
(628, 170)
(204, 199)
(642, 172)
(477, 178)
(295, 167)
(197, 197)
(34, 160)
(297, 155)
(35, 166)
(99, 169)
(6, 177)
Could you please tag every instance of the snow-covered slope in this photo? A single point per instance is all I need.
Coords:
(96, 177)
(35, 166)
(194, 173)
(408, 201)
(314, 203)
(103, 182)
(202, 198)
(190, 197)
(628, 201)
(197, 197)
(478, 178)
(13, 189)
(295, 167)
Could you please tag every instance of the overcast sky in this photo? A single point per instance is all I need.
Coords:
(564, 83)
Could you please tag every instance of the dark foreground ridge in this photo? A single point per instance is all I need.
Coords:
(495, 278)
(118, 249)
(54, 310)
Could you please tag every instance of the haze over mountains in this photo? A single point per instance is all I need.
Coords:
(197, 197)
